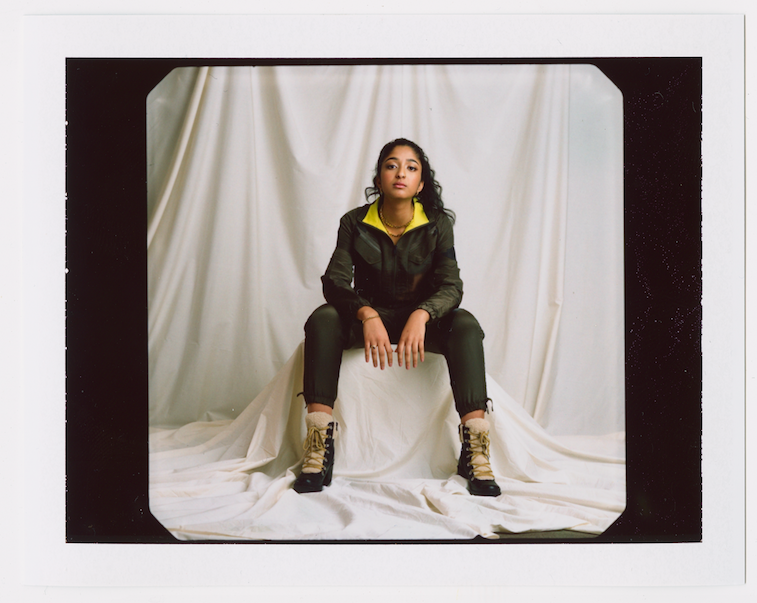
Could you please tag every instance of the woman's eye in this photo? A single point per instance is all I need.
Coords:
(412, 168)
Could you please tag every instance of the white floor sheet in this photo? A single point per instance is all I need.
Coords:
(394, 476)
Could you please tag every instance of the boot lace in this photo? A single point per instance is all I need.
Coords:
(315, 450)
(478, 446)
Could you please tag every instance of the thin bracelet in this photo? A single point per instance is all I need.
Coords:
(367, 319)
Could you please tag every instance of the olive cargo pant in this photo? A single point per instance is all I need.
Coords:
(457, 336)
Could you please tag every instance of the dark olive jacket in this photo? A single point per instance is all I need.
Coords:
(420, 270)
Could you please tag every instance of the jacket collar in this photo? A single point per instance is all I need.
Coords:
(372, 217)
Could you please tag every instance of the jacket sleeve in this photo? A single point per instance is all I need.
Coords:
(448, 288)
(337, 282)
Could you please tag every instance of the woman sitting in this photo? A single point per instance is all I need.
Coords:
(407, 290)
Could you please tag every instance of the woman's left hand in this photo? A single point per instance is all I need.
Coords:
(410, 346)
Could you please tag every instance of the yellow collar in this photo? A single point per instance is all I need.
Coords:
(372, 217)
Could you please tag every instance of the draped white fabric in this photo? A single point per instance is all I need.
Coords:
(394, 472)
(250, 169)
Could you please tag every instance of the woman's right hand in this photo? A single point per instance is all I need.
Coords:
(377, 344)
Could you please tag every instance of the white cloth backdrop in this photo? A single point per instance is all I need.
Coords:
(250, 169)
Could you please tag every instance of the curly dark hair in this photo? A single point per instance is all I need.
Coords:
(430, 196)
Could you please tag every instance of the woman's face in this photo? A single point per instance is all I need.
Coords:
(400, 176)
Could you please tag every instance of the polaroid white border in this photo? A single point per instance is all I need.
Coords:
(719, 39)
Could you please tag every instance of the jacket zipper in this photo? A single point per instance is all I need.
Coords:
(394, 250)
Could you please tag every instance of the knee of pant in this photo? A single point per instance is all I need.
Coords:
(325, 319)
(465, 326)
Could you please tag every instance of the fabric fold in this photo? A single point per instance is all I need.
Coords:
(395, 466)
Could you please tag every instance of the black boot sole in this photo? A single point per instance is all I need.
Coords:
(480, 487)
(313, 482)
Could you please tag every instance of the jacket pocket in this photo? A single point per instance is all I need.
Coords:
(368, 250)
(419, 262)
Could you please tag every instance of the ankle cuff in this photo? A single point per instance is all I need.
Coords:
(477, 425)
(319, 420)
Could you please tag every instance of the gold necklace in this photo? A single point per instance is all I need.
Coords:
(385, 223)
